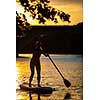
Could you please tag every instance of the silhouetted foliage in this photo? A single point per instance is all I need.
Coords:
(39, 10)
(60, 39)
(21, 24)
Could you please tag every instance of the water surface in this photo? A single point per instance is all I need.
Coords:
(70, 66)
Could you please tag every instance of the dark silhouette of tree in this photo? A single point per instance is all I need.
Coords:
(39, 10)
(21, 24)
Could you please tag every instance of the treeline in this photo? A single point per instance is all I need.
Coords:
(58, 39)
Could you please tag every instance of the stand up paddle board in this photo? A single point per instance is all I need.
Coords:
(40, 90)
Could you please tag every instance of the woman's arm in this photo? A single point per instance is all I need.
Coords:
(43, 52)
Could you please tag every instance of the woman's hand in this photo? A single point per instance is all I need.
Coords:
(46, 54)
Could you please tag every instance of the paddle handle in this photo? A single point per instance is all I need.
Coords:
(55, 66)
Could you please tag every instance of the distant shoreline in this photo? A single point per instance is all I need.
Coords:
(21, 55)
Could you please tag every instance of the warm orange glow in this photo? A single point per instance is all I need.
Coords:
(75, 10)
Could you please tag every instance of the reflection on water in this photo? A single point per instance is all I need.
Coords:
(69, 65)
(38, 96)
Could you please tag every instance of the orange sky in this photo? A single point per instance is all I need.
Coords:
(72, 7)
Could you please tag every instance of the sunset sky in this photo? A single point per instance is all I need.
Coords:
(72, 7)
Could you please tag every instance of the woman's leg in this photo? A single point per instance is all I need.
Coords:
(32, 74)
(38, 68)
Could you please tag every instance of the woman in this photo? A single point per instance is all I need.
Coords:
(35, 62)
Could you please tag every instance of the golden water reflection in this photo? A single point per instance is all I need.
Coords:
(71, 68)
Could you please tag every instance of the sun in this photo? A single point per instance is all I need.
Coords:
(19, 9)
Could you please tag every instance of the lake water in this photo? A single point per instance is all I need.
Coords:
(71, 66)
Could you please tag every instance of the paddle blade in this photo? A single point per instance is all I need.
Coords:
(67, 83)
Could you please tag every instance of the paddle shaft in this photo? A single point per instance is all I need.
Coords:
(56, 67)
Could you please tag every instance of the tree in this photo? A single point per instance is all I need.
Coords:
(39, 10)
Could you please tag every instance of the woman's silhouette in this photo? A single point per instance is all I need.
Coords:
(35, 62)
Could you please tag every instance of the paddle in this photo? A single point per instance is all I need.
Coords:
(66, 82)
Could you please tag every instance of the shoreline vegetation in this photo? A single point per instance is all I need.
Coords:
(58, 40)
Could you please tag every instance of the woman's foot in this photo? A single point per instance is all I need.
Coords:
(39, 85)
(29, 84)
